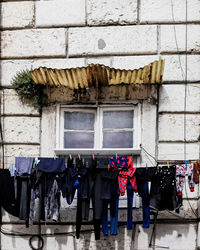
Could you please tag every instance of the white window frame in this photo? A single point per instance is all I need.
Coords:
(62, 130)
(98, 126)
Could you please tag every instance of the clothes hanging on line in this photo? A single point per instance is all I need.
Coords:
(196, 172)
(100, 181)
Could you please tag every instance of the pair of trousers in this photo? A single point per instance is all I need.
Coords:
(143, 176)
(23, 197)
(113, 217)
(114, 204)
(7, 193)
(89, 188)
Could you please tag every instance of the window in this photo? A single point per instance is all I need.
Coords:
(103, 127)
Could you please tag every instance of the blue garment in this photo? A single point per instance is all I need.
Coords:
(145, 206)
(120, 161)
(23, 165)
(12, 169)
(143, 176)
(51, 165)
(130, 194)
(114, 203)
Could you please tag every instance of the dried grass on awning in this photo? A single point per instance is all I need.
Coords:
(93, 74)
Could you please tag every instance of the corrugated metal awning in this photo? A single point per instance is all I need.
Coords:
(93, 74)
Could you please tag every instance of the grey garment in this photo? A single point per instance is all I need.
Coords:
(23, 165)
(23, 211)
(52, 203)
(32, 206)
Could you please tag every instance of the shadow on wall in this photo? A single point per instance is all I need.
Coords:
(168, 236)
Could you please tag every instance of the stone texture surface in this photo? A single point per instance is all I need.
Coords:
(9, 68)
(17, 14)
(175, 236)
(33, 43)
(171, 127)
(148, 132)
(142, 238)
(161, 11)
(48, 131)
(50, 243)
(175, 151)
(99, 60)
(111, 12)
(168, 38)
(172, 98)
(175, 68)
(60, 13)
(13, 105)
(22, 129)
(198, 236)
(132, 62)
(112, 40)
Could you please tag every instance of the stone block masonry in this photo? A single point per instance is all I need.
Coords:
(33, 43)
(171, 102)
(60, 13)
(22, 129)
(104, 12)
(161, 11)
(171, 127)
(175, 68)
(168, 38)
(17, 14)
(112, 40)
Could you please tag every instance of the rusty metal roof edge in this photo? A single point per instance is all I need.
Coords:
(92, 64)
(148, 74)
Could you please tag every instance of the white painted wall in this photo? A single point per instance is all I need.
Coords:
(122, 34)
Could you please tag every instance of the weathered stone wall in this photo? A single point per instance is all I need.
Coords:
(124, 34)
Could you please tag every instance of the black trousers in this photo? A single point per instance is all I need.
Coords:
(7, 193)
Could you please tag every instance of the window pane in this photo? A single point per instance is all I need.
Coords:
(118, 119)
(79, 120)
(118, 139)
(78, 140)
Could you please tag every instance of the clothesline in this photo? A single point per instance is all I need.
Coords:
(102, 185)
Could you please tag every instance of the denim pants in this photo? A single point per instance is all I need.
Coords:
(114, 203)
(130, 194)
(145, 206)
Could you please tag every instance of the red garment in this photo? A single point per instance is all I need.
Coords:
(127, 173)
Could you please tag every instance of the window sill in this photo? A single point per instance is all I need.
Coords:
(119, 151)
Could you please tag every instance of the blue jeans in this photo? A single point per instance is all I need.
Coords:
(130, 194)
(145, 206)
(113, 216)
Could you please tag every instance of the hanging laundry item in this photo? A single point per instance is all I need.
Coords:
(143, 176)
(125, 163)
(51, 165)
(130, 194)
(163, 194)
(183, 170)
(126, 181)
(89, 188)
(110, 195)
(52, 203)
(196, 172)
(48, 173)
(23, 165)
(23, 170)
(12, 169)
(66, 182)
(7, 193)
